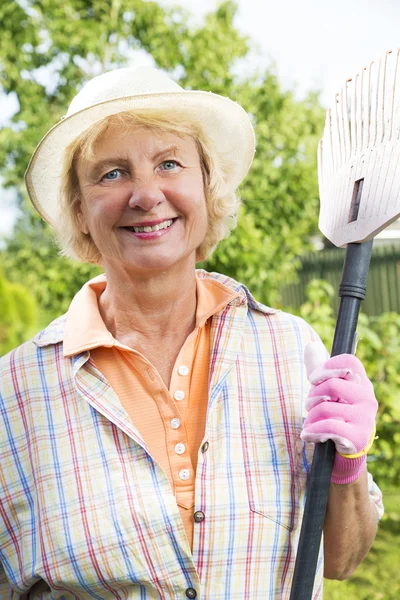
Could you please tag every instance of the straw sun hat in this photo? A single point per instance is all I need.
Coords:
(224, 123)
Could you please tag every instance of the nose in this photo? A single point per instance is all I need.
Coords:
(146, 195)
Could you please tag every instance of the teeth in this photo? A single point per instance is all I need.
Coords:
(148, 229)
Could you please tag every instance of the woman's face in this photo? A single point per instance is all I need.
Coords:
(142, 199)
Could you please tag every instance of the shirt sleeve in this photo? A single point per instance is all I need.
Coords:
(376, 496)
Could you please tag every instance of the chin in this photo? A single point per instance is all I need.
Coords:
(162, 264)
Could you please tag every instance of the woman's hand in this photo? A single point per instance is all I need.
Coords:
(341, 407)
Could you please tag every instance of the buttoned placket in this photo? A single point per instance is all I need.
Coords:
(183, 472)
(172, 413)
(172, 405)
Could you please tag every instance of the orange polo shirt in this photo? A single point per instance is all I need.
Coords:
(170, 421)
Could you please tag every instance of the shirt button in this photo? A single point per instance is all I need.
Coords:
(191, 593)
(199, 516)
(183, 370)
(180, 448)
(205, 447)
(179, 395)
(175, 423)
(184, 474)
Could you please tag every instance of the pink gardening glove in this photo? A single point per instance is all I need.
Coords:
(341, 407)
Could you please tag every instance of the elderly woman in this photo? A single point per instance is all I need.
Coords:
(152, 442)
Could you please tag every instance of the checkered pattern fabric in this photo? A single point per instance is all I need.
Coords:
(85, 512)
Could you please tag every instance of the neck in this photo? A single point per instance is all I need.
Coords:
(152, 306)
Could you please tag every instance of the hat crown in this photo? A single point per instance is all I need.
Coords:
(124, 82)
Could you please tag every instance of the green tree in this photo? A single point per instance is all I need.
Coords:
(18, 314)
(77, 39)
(280, 194)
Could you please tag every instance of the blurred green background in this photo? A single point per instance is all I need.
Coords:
(48, 50)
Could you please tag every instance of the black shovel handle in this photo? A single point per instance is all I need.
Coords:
(352, 292)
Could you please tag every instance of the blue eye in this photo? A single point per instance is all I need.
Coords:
(169, 165)
(111, 175)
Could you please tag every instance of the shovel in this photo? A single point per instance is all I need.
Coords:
(359, 182)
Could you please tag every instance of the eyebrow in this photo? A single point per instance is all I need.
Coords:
(169, 150)
(112, 160)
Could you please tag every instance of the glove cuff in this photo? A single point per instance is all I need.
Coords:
(365, 450)
(346, 470)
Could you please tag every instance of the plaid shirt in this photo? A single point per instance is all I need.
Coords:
(85, 512)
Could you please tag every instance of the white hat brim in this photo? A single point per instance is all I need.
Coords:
(224, 122)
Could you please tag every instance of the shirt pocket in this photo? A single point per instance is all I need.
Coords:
(275, 472)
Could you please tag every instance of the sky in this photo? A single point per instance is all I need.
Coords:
(314, 44)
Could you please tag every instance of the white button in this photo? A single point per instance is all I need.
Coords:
(179, 395)
(184, 474)
(180, 448)
(175, 423)
(183, 370)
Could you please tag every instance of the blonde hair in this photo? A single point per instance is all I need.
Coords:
(222, 203)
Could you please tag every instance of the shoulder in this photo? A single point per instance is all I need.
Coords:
(52, 334)
(281, 323)
(261, 317)
(18, 364)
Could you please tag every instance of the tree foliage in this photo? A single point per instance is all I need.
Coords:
(280, 196)
(50, 49)
(18, 314)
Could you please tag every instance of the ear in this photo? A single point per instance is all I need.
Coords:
(81, 218)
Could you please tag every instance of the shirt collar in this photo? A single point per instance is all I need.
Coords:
(83, 328)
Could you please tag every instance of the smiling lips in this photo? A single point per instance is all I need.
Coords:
(149, 228)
